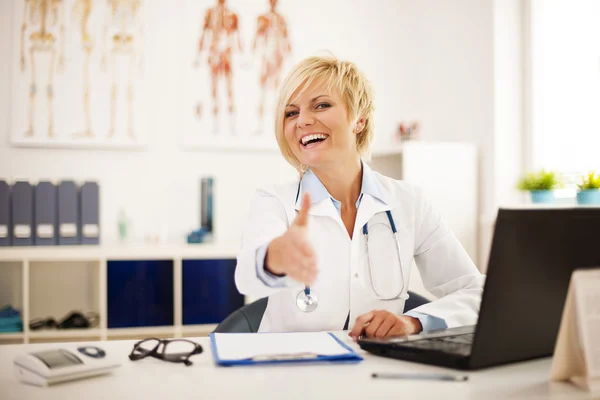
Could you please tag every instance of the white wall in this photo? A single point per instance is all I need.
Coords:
(508, 100)
(450, 85)
(429, 60)
(505, 148)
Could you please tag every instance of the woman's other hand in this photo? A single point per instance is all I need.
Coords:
(382, 323)
(292, 254)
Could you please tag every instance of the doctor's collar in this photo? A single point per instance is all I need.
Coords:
(318, 192)
(371, 185)
(312, 184)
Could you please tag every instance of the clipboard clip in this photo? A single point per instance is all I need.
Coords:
(283, 357)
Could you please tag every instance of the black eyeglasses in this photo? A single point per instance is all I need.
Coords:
(172, 350)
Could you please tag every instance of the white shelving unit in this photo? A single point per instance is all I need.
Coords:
(54, 280)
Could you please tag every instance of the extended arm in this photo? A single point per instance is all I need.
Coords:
(266, 221)
(275, 254)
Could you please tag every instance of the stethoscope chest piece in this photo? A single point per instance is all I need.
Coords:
(307, 300)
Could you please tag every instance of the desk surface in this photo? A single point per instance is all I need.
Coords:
(155, 379)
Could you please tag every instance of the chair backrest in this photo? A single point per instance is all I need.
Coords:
(414, 300)
(247, 318)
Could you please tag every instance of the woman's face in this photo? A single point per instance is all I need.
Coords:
(317, 128)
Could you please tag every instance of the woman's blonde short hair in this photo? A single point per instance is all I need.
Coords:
(344, 76)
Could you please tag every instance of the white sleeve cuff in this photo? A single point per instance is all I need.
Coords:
(265, 276)
(428, 322)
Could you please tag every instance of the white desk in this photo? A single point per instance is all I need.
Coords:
(155, 379)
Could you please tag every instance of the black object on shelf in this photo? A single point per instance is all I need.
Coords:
(206, 203)
(37, 324)
(5, 225)
(73, 320)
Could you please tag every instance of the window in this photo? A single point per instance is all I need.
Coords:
(565, 86)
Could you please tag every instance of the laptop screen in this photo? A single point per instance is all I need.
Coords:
(533, 253)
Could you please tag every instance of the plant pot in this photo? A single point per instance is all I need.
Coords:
(589, 196)
(542, 196)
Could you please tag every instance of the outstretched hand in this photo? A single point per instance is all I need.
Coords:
(292, 254)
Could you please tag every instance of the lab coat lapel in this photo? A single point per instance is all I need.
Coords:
(369, 206)
(321, 205)
(323, 208)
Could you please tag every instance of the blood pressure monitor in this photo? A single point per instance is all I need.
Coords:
(47, 367)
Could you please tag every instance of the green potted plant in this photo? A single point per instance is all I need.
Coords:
(541, 185)
(589, 189)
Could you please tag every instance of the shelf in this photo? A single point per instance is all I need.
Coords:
(202, 330)
(66, 333)
(11, 335)
(11, 284)
(118, 252)
(142, 331)
(133, 282)
(57, 289)
(83, 143)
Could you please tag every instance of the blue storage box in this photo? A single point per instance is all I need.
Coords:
(209, 291)
(139, 293)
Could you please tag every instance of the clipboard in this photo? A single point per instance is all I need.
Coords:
(350, 356)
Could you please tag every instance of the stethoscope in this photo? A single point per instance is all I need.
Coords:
(307, 300)
(398, 295)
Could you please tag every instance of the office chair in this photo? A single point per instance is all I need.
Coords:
(247, 318)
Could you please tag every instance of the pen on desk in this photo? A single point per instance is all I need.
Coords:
(429, 377)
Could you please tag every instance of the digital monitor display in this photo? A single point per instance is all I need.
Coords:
(57, 358)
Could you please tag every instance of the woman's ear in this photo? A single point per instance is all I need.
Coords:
(360, 125)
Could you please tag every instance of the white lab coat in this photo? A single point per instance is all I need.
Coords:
(343, 284)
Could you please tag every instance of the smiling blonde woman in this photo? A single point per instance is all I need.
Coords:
(334, 249)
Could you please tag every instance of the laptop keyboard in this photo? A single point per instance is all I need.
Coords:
(460, 344)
